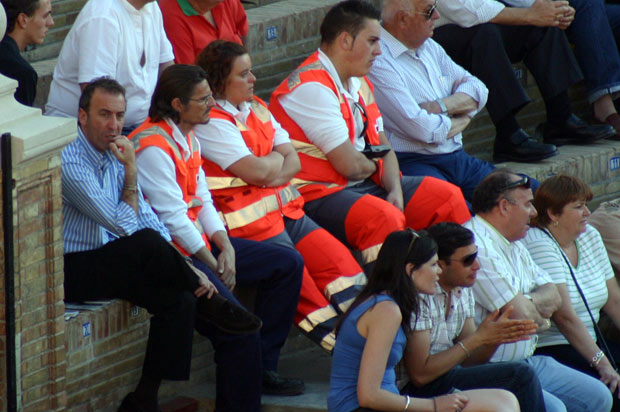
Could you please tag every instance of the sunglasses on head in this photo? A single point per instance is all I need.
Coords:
(523, 182)
(414, 237)
(428, 14)
(467, 260)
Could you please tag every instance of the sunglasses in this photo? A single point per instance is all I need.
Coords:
(523, 182)
(414, 237)
(467, 260)
(428, 14)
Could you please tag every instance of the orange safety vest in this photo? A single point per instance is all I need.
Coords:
(318, 177)
(159, 134)
(250, 211)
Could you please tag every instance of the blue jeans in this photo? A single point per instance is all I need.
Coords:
(516, 377)
(458, 168)
(594, 33)
(276, 272)
(568, 390)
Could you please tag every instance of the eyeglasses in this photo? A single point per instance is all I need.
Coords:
(414, 237)
(523, 182)
(203, 100)
(428, 14)
(467, 260)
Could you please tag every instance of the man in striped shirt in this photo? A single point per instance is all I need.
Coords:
(115, 247)
(508, 277)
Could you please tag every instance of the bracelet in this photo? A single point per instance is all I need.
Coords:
(462, 345)
(407, 403)
(442, 106)
(596, 359)
(130, 188)
(434, 405)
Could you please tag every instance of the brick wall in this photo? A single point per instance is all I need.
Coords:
(39, 307)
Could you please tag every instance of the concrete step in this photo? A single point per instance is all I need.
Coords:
(597, 164)
(312, 365)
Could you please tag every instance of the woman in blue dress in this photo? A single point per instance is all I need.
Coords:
(371, 336)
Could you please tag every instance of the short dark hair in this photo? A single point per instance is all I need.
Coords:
(177, 81)
(390, 276)
(347, 16)
(449, 237)
(555, 193)
(490, 189)
(106, 84)
(15, 7)
(217, 60)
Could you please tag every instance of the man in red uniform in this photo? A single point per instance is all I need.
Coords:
(349, 174)
(192, 24)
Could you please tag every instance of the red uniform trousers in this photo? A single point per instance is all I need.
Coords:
(360, 217)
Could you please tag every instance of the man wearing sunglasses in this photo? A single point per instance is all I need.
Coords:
(426, 99)
(444, 335)
(508, 279)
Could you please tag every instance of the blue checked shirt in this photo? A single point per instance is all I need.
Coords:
(94, 213)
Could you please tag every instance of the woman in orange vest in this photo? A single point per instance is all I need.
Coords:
(249, 162)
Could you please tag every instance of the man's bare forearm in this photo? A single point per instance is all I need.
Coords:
(460, 103)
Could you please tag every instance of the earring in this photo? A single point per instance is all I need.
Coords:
(556, 223)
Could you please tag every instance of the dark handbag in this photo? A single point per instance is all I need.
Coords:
(598, 332)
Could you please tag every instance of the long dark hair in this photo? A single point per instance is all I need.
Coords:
(390, 275)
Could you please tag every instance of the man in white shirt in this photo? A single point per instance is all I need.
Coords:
(121, 39)
(486, 38)
(508, 277)
(426, 99)
(328, 108)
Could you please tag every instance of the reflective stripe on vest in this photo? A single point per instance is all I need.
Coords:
(258, 210)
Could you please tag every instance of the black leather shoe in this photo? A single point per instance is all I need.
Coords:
(520, 147)
(227, 316)
(576, 131)
(274, 384)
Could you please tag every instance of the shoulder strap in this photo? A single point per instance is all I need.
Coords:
(585, 302)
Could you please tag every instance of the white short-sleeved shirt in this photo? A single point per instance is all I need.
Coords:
(221, 141)
(316, 109)
(109, 38)
(506, 268)
(592, 272)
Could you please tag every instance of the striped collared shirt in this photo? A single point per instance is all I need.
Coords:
(405, 78)
(94, 214)
(506, 268)
(444, 329)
